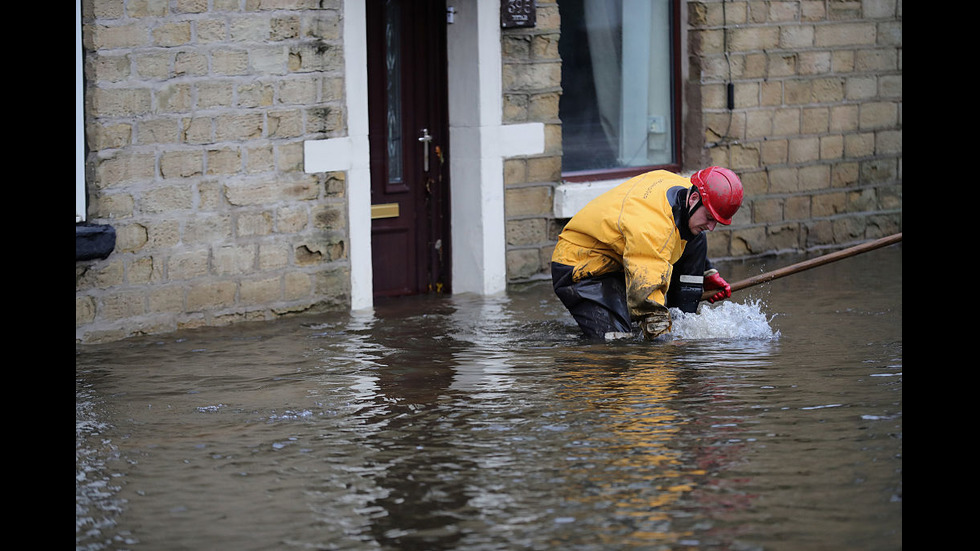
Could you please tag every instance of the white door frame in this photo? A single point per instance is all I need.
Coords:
(478, 142)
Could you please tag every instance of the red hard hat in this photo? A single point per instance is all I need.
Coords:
(721, 192)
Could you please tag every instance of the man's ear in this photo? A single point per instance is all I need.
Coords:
(693, 198)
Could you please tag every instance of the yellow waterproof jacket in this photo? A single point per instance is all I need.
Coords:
(630, 228)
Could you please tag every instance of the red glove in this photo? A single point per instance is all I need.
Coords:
(712, 280)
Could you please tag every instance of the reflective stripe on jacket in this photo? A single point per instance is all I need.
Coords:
(630, 228)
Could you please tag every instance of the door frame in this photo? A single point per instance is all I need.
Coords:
(478, 140)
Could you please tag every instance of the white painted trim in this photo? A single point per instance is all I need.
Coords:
(521, 139)
(359, 175)
(80, 205)
(327, 155)
(571, 197)
(478, 145)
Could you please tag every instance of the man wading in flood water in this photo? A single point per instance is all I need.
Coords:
(641, 248)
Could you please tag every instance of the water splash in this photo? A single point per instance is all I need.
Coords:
(725, 320)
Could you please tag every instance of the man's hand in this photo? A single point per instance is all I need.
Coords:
(713, 280)
(655, 324)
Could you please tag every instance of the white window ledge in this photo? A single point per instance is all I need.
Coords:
(571, 197)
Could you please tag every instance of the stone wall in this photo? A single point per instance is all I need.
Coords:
(815, 131)
(816, 128)
(532, 88)
(196, 113)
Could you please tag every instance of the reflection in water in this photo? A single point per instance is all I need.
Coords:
(487, 423)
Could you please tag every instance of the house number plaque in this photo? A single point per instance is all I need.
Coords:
(517, 13)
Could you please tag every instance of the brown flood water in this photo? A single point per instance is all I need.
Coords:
(487, 424)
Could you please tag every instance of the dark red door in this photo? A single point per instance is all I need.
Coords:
(409, 139)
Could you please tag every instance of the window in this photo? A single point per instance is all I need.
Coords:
(619, 74)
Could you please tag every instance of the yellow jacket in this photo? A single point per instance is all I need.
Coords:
(630, 228)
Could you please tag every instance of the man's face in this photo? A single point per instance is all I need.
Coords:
(700, 220)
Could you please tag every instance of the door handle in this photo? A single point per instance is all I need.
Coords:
(425, 139)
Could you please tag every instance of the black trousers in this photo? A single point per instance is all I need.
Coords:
(598, 303)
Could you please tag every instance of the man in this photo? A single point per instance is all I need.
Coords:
(641, 248)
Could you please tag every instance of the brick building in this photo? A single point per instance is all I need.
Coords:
(247, 159)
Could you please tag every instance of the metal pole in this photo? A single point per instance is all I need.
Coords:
(812, 263)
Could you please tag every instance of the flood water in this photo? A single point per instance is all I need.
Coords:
(772, 421)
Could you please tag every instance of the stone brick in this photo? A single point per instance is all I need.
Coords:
(167, 199)
(804, 150)
(124, 168)
(786, 122)
(522, 263)
(174, 98)
(84, 310)
(251, 224)
(181, 164)
(874, 115)
(140, 271)
(753, 38)
(767, 210)
(108, 68)
(119, 305)
(526, 231)
(878, 60)
(260, 158)
(109, 136)
(535, 200)
(215, 93)
(239, 126)
(272, 256)
(188, 264)
(543, 169)
(844, 34)
(197, 130)
(815, 120)
(784, 237)
(168, 298)
(118, 206)
(330, 216)
(233, 259)
(797, 208)
(859, 145)
(792, 37)
(191, 6)
(162, 234)
(107, 276)
(120, 102)
(260, 291)
(775, 152)
(228, 62)
(828, 204)
(158, 131)
(814, 177)
(285, 124)
(831, 147)
(131, 237)
(210, 295)
(207, 228)
(269, 60)
(226, 160)
(297, 285)
(117, 36)
(255, 94)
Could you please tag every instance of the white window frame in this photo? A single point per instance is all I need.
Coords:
(79, 121)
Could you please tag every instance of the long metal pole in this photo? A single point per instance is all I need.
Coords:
(812, 263)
